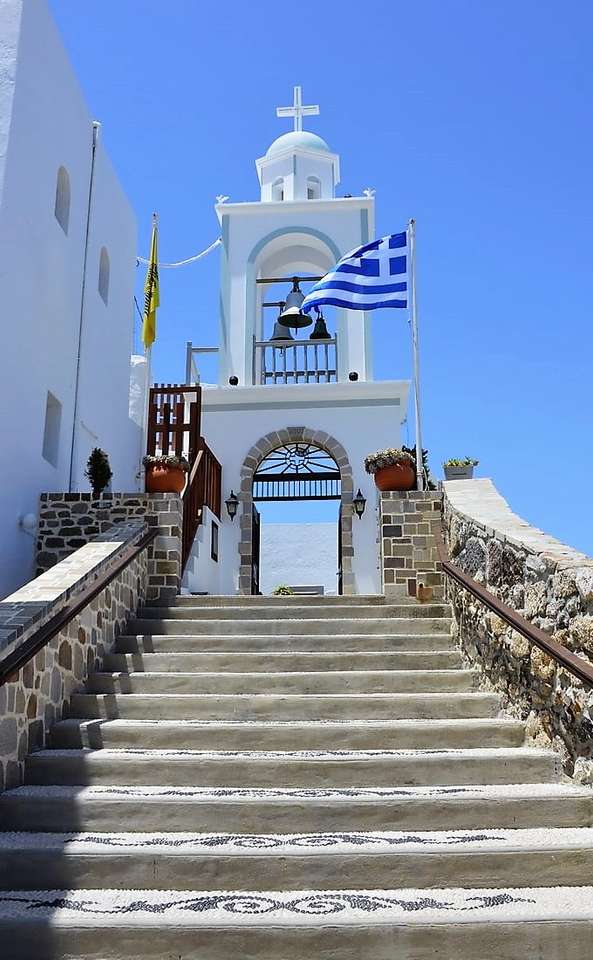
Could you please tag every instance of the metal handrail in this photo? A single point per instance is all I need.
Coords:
(578, 666)
(17, 658)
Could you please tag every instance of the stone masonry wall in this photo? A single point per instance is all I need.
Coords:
(69, 520)
(409, 558)
(35, 697)
(550, 585)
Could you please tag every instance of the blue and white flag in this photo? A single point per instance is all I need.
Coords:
(372, 276)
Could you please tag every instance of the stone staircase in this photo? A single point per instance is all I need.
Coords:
(286, 779)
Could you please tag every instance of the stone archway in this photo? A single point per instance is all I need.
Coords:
(257, 453)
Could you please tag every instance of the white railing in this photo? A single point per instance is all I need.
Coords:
(295, 361)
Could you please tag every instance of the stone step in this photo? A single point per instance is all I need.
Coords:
(314, 600)
(294, 611)
(286, 810)
(305, 643)
(307, 683)
(289, 661)
(245, 735)
(229, 861)
(364, 627)
(280, 707)
(547, 923)
(337, 768)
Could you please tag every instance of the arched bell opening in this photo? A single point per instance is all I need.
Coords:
(314, 356)
(295, 464)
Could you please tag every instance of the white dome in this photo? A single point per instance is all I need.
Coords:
(297, 138)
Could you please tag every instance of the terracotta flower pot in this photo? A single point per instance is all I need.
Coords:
(163, 479)
(398, 476)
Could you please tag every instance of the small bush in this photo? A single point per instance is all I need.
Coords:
(98, 472)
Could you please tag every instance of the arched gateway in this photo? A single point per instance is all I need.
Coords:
(340, 482)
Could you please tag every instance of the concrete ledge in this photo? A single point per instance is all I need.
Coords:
(480, 501)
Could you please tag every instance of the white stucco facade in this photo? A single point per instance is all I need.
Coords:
(362, 417)
(60, 329)
(298, 228)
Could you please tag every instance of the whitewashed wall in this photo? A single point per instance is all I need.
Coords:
(45, 124)
(299, 554)
(202, 571)
(363, 417)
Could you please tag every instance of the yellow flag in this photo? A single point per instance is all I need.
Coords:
(151, 292)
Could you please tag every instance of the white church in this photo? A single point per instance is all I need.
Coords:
(295, 409)
(288, 411)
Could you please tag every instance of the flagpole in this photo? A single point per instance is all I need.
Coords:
(414, 326)
(148, 358)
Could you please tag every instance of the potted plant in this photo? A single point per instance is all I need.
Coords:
(165, 474)
(283, 591)
(456, 469)
(98, 472)
(393, 469)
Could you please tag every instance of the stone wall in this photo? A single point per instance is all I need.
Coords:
(409, 557)
(69, 520)
(549, 584)
(33, 698)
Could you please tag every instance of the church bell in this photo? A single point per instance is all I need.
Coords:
(320, 331)
(281, 332)
(291, 316)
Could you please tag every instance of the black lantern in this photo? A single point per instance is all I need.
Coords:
(359, 503)
(232, 504)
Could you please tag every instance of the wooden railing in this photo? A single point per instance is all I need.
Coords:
(174, 413)
(578, 666)
(203, 489)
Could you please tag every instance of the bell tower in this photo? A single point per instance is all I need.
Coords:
(298, 228)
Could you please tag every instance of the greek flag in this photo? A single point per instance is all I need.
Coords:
(372, 276)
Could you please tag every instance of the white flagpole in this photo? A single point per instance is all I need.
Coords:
(148, 358)
(414, 325)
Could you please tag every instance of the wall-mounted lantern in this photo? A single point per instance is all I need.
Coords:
(232, 504)
(359, 503)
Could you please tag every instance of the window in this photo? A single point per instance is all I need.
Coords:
(62, 205)
(51, 430)
(313, 188)
(214, 541)
(104, 275)
(278, 189)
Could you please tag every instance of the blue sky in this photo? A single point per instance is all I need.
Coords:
(475, 118)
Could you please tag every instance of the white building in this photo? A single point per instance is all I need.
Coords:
(67, 269)
(319, 395)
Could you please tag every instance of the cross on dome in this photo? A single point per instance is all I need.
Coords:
(298, 111)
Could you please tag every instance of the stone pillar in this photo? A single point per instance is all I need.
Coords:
(409, 557)
(69, 520)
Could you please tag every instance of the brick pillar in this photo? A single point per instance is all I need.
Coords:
(409, 557)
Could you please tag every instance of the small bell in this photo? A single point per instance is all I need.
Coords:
(291, 316)
(320, 331)
(280, 332)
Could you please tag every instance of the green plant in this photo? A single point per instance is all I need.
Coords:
(283, 591)
(98, 472)
(168, 461)
(465, 462)
(386, 458)
(430, 484)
